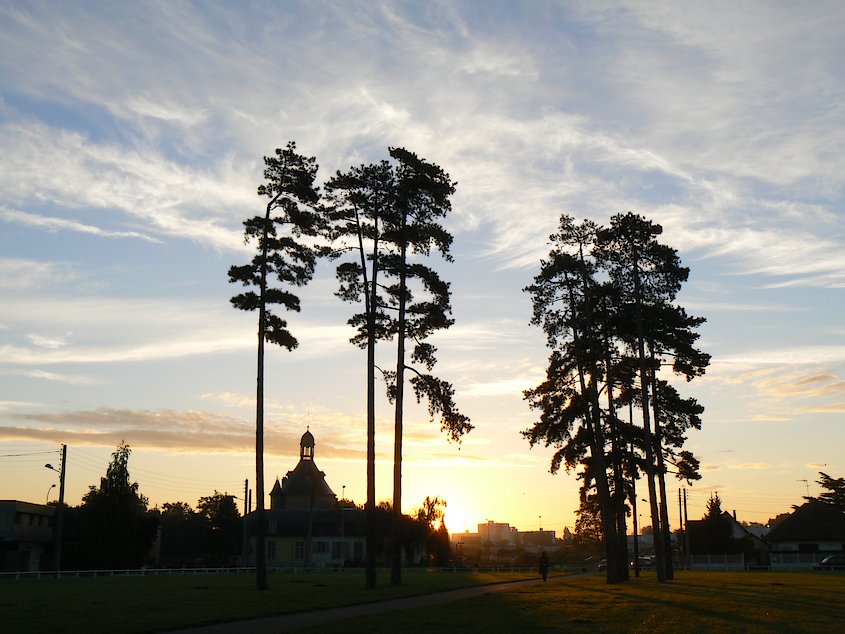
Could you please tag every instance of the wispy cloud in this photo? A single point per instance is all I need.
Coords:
(205, 431)
(166, 198)
(17, 274)
(71, 379)
(53, 224)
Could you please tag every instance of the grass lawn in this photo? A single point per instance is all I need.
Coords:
(154, 604)
(694, 602)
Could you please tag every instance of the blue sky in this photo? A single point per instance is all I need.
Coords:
(133, 137)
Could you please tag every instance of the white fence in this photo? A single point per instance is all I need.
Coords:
(795, 561)
(713, 562)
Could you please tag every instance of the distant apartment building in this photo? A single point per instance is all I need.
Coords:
(500, 543)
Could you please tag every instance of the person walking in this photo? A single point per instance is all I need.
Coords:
(544, 566)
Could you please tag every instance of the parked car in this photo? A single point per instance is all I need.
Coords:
(831, 562)
(646, 561)
(602, 565)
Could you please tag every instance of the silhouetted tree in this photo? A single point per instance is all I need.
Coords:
(647, 276)
(361, 202)
(834, 493)
(713, 534)
(292, 213)
(115, 524)
(387, 215)
(604, 300)
(421, 199)
(220, 515)
(565, 299)
(439, 546)
(182, 535)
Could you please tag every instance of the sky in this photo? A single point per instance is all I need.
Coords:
(132, 139)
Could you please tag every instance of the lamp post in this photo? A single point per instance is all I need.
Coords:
(52, 486)
(342, 529)
(57, 530)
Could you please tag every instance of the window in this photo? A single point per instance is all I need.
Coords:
(337, 550)
(299, 550)
(321, 547)
(271, 550)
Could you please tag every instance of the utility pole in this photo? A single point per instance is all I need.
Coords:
(245, 531)
(686, 527)
(681, 524)
(57, 528)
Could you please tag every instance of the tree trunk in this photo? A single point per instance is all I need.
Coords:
(396, 559)
(260, 561)
(609, 529)
(660, 554)
(661, 473)
(371, 425)
(618, 483)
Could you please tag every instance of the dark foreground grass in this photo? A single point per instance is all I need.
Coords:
(157, 604)
(694, 602)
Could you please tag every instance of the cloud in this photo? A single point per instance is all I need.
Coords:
(339, 435)
(139, 186)
(513, 386)
(17, 274)
(796, 355)
(51, 343)
(52, 224)
(479, 97)
(751, 465)
(169, 430)
(166, 111)
(816, 465)
(70, 379)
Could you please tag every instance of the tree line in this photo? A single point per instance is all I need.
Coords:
(114, 528)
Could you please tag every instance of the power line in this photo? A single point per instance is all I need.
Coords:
(31, 453)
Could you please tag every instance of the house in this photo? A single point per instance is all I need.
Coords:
(306, 524)
(813, 531)
(26, 536)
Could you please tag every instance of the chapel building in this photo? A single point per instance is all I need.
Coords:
(307, 526)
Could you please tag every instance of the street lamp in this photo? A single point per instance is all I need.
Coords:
(57, 529)
(52, 486)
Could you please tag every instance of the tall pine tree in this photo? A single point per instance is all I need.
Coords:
(291, 216)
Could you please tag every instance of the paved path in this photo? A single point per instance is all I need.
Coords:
(299, 620)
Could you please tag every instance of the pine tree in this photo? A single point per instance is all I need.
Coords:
(291, 214)
(362, 203)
